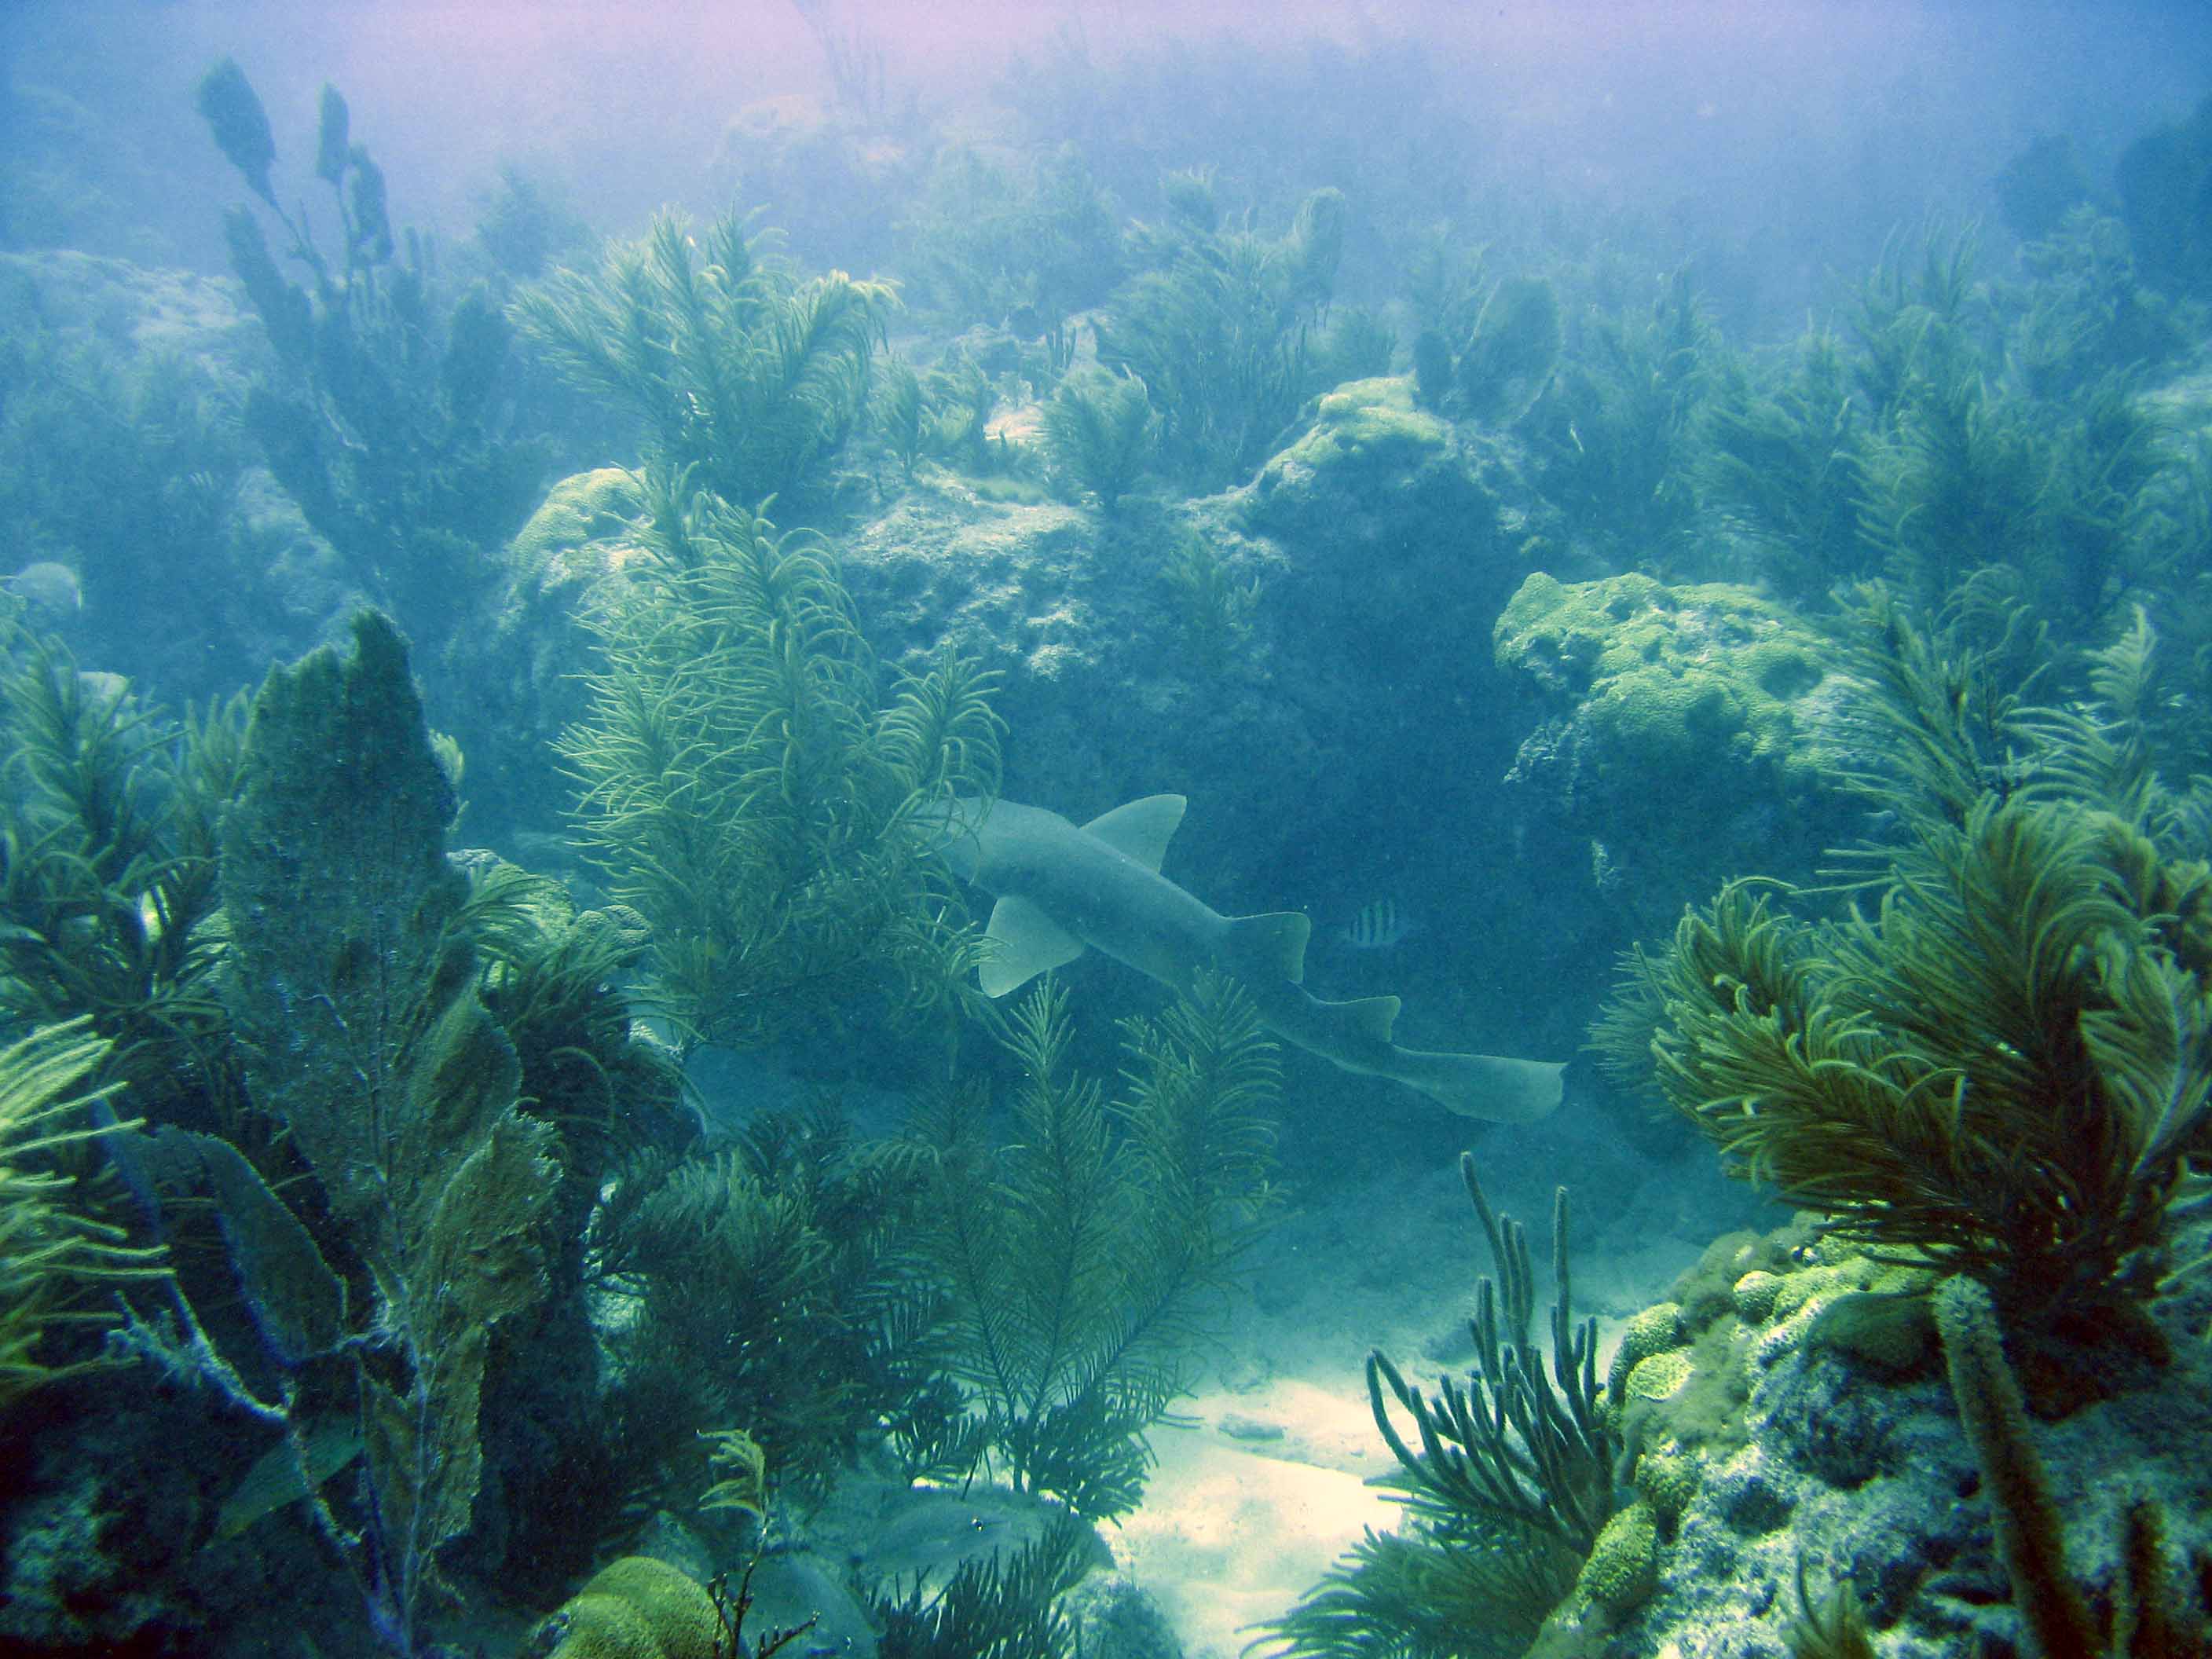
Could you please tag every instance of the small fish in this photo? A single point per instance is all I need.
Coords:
(1378, 927)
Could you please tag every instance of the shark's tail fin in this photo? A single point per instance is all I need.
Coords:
(1483, 1085)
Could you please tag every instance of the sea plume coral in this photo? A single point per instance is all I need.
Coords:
(2002, 1065)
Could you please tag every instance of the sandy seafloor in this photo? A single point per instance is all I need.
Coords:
(1270, 1483)
(1266, 1480)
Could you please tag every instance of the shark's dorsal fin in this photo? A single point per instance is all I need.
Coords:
(1270, 946)
(1030, 942)
(1141, 829)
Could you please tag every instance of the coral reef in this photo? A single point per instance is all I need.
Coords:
(2004, 1072)
(1792, 1449)
(376, 417)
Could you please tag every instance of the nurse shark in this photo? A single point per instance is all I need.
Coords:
(1060, 887)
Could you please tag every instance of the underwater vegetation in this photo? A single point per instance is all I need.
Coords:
(1100, 432)
(355, 1167)
(1001, 1605)
(55, 1247)
(108, 868)
(738, 370)
(380, 422)
(1615, 427)
(1229, 330)
(748, 790)
(775, 1285)
(1782, 468)
(1507, 1481)
(1491, 362)
(354, 998)
(1026, 240)
(1211, 604)
(1087, 1260)
(2002, 1065)
(362, 1167)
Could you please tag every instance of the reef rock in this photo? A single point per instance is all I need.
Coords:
(1809, 1436)
(1650, 699)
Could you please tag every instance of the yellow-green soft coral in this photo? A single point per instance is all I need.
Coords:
(51, 1248)
(1660, 1377)
(1755, 1294)
(1676, 677)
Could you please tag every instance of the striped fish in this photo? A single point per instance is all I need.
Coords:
(1377, 927)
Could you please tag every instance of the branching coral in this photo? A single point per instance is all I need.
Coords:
(747, 788)
(1083, 1265)
(1509, 1492)
(52, 1248)
(737, 368)
(376, 423)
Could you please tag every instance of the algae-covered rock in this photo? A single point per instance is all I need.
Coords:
(1692, 679)
(1668, 1478)
(1843, 1457)
(1685, 734)
(1371, 458)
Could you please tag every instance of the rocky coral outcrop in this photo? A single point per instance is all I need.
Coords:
(1806, 1423)
(1649, 699)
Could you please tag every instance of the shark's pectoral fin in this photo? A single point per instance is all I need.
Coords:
(1030, 942)
(1369, 1017)
(1271, 946)
(1141, 829)
(1493, 1086)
